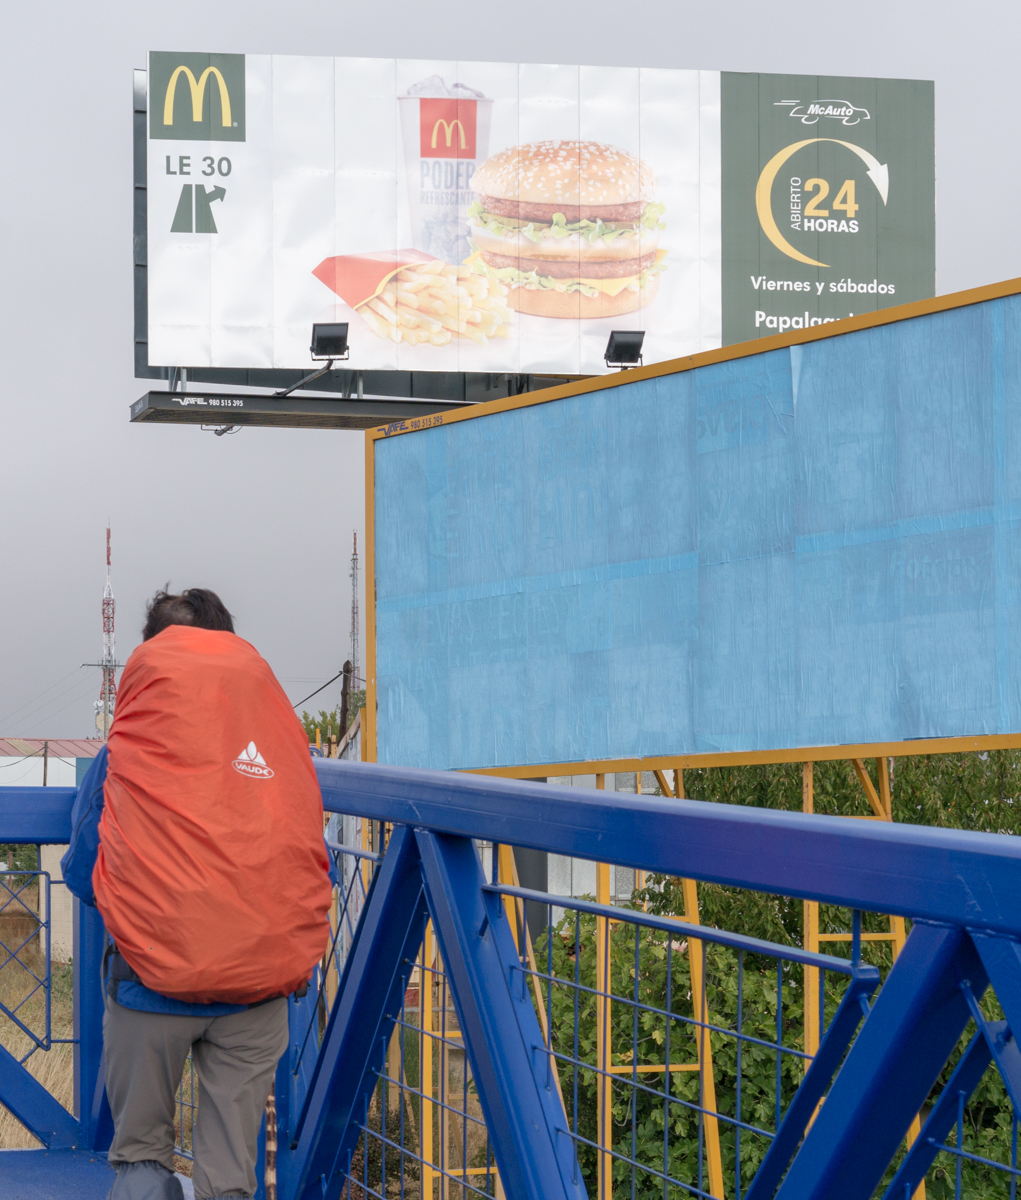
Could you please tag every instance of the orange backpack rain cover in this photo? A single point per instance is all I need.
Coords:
(212, 874)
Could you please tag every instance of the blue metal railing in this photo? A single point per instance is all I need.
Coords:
(35, 817)
(25, 956)
(441, 1051)
(876, 1066)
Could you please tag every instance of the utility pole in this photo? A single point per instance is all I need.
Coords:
(345, 699)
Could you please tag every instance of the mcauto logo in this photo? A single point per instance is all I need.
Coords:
(197, 97)
(812, 111)
(447, 127)
(250, 762)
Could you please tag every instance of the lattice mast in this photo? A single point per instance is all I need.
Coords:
(356, 677)
(108, 691)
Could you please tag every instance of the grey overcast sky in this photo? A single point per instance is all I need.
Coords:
(265, 518)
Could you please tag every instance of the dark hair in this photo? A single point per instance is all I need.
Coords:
(196, 606)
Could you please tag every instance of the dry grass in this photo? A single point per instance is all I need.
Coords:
(53, 1068)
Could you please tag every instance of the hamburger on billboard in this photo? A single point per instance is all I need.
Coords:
(571, 228)
(500, 217)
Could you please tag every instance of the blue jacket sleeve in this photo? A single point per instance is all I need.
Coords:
(80, 858)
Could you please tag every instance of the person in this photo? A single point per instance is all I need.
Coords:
(198, 834)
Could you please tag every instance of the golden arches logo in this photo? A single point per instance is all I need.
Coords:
(198, 91)
(878, 172)
(448, 130)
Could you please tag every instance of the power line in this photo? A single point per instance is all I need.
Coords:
(318, 690)
(20, 761)
(73, 700)
(75, 687)
(14, 711)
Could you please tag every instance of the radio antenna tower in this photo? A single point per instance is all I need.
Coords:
(108, 693)
(356, 679)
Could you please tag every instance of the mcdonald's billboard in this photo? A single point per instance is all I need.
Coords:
(504, 217)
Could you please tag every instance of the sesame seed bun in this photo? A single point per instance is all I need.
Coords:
(542, 302)
(566, 172)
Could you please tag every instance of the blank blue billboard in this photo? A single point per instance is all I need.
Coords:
(813, 546)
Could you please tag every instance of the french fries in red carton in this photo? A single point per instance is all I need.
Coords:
(411, 297)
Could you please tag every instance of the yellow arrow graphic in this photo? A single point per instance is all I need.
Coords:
(878, 172)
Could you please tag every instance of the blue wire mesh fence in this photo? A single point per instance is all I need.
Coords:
(36, 993)
(677, 1049)
(25, 975)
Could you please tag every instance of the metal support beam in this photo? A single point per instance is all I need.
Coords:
(90, 1103)
(371, 991)
(36, 815)
(33, 1105)
(513, 1072)
(940, 1121)
(284, 412)
(865, 780)
(1001, 958)
(891, 1068)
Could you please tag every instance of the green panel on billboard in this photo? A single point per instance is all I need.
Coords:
(197, 97)
(829, 199)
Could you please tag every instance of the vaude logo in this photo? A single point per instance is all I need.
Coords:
(835, 110)
(250, 762)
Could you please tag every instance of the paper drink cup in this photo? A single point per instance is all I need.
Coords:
(445, 139)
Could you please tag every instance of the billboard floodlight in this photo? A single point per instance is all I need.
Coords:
(624, 349)
(329, 341)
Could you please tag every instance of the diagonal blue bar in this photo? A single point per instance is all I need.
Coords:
(1002, 1046)
(525, 1119)
(33, 1105)
(368, 1001)
(941, 1119)
(896, 1059)
(1001, 958)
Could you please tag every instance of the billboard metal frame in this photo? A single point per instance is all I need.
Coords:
(455, 387)
(198, 407)
(803, 754)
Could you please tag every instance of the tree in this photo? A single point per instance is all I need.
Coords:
(328, 723)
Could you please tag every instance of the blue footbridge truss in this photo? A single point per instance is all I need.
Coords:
(446, 1049)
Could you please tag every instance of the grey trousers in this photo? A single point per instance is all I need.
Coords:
(234, 1059)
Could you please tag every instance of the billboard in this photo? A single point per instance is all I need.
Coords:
(814, 545)
(501, 217)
